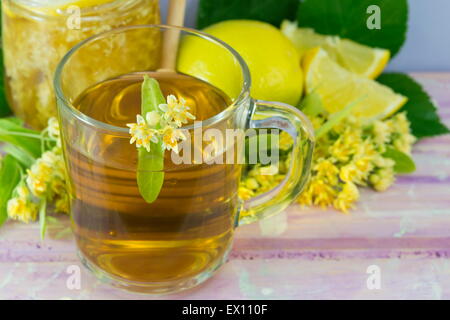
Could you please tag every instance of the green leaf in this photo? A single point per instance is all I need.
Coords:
(150, 174)
(335, 118)
(23, 157)
(43, 217)
(15, 120)
(348, 19)
(312, 105)
(10, 174)
(403, 162)
(271, 11)
(4, 109)
(420, 109)
(14, 133)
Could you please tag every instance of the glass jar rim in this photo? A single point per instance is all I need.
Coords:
(31, 8)
(67, 105)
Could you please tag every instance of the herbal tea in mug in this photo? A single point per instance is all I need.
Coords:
(193, 217)
(176, 236)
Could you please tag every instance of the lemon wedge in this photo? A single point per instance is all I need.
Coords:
(338, 87)
(360, 59)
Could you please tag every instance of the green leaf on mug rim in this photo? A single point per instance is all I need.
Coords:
(403, 162)
(150, 171)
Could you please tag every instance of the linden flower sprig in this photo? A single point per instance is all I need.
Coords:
(157, 130)
(351, 155)
(40, 185)
(162, 125)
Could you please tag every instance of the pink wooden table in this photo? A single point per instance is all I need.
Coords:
(299, 254)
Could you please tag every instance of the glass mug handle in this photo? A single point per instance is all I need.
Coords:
(277, 115)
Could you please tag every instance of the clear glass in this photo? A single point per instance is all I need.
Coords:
(183, 237)
(36, 36)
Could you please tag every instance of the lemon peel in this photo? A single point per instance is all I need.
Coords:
(337, 87)
(355, 57)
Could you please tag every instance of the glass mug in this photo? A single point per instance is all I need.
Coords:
(182, 238)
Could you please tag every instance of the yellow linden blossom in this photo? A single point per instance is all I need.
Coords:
(346, 197)
(245, 193)
(47, 179)
(37, 178)
(62, 203)
(252, 183)
(322, 193)
(399, 123)
(44, 171)
(382, 179)
(53, 128)
(22, 210)
(357, 152)
(22, 191)
(402, 138)
(346, 145)
(382, 162)
(141, 133)
(172, 116)
(286, 141)
(171, 137)
(44, 180)
(348, 173)
(362, 162)
(381, 132)
(404, 142)
(348, 156)
(176, 111)
(306, 197)
(20, 207)
(262, 179)
(326, 169)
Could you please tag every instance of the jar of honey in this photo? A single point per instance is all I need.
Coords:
(37, 34)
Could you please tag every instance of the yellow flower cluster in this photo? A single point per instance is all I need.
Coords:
(21, 207)
(258, 182)
(348, 156)
(260, 179)
(44, 180)
(161, 125)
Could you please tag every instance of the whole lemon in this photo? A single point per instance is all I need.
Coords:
(273, 61)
